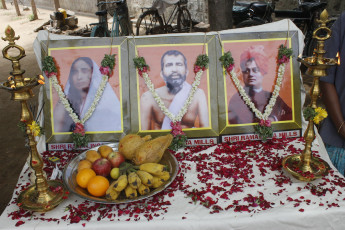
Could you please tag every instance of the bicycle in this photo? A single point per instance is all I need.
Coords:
(150, 22)
(120, 26)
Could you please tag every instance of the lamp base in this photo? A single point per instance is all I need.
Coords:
(32, 200)
(294, 165)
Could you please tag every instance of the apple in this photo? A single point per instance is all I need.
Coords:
(115, 173)
(102, 167)
(115, 159)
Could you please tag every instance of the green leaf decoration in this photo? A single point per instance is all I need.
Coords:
(202, 61)
(179, 141)
(140, 63)
(309, 113)
(263, 131)
(79, 140)
(108, 61)
(226, 59)
(284, 51)
(49, 65)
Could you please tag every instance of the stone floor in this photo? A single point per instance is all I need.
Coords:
(13, 151)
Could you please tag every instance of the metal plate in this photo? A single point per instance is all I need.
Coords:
(70, 172)
(294, 165)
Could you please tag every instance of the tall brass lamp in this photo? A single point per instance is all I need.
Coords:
(305, 166)
(43, 195)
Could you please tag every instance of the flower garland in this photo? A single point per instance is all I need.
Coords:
(200, 66)
(264, 128)
(50, 70)
(317, 114)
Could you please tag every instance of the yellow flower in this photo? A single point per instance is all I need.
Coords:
(321, 112)
(317, 119)
(35, 129)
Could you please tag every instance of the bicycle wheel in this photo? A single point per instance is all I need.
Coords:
(184, 21)
(149, 22)
(99, 32)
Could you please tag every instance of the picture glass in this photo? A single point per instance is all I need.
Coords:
(81, 81)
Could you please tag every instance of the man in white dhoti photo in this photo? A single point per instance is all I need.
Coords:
(80, 90)
(174, 93)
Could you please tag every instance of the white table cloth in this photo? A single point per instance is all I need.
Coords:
(293, 206)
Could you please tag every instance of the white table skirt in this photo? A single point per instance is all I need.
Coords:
(184, 214)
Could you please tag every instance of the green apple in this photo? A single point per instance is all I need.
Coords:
(115, 173)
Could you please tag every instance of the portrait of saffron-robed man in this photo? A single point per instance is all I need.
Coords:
(174, 93)
(255, 66)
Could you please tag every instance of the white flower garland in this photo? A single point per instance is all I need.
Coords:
(160, 103)
(275, 93)
(67, 105)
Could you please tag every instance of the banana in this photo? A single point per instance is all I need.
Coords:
(145, 177)
(143, 189)
(130, 192)
(121, 183)
(153, 168)
(111, 193)
(164, 176)
(134, 180)
(157, 182)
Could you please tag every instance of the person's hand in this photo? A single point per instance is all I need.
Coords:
(342, 131)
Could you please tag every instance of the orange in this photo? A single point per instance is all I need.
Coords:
(92, 155)
(84, 164)
(104, 150)
(84, 176)
(97, 186)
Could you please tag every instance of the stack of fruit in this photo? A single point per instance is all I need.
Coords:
(104, 165)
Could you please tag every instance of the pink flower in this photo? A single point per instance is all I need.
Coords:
(176, 129)
(284, 59)
(49, 74)
(268, 123)
(142, 70)
(196, 69)
(105, 70)
(79, 128)
(230, 67)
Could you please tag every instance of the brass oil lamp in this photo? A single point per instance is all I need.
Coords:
(305, 166)
(43, 195)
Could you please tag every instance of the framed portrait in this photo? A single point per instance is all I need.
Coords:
(105, 112)
(171, 62)
(254, 79)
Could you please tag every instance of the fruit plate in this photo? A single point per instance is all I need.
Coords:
(70, 172)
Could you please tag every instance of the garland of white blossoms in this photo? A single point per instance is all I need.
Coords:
(264, 128)
(272, 101)
(161, 104)
(67, 104)
(200, 66)
(50, 70)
